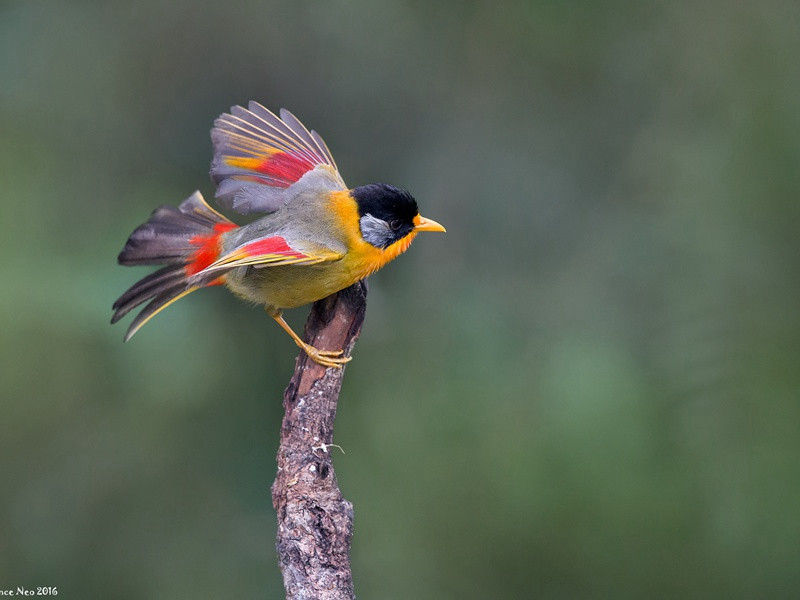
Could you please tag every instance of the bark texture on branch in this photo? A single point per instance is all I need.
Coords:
(315, 523)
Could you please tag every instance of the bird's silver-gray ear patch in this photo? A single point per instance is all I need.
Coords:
(376, 231)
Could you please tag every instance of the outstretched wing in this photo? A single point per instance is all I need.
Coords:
(268, 251)
(259, 157)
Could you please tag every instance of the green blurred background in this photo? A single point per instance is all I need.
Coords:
(588, 388)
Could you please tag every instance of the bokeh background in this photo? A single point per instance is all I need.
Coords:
(588, 388)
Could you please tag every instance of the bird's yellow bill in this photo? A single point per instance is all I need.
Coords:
(423, 224)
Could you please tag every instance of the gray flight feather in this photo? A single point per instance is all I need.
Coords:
(164, 239)
(149, 287)
(255, 134)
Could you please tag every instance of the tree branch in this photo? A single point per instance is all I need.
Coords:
(315, 523)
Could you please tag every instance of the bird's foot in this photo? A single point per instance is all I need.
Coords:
(326, 358)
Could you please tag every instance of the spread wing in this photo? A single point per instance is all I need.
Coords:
(269, 251)
(259, 157)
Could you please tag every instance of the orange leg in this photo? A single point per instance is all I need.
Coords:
(325, 358)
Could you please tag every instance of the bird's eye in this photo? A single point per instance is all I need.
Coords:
(395, 224)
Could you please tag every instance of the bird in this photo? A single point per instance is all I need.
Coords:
(313, 236)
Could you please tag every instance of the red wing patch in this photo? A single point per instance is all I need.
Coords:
(208, 248)
(281, 169)
(271, 245)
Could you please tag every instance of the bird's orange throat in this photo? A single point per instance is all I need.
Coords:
(369, 259)
(396, 249)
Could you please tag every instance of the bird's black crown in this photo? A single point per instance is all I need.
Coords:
(386, 213)
(385, 201)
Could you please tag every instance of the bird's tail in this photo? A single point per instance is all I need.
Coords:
(186, 239)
